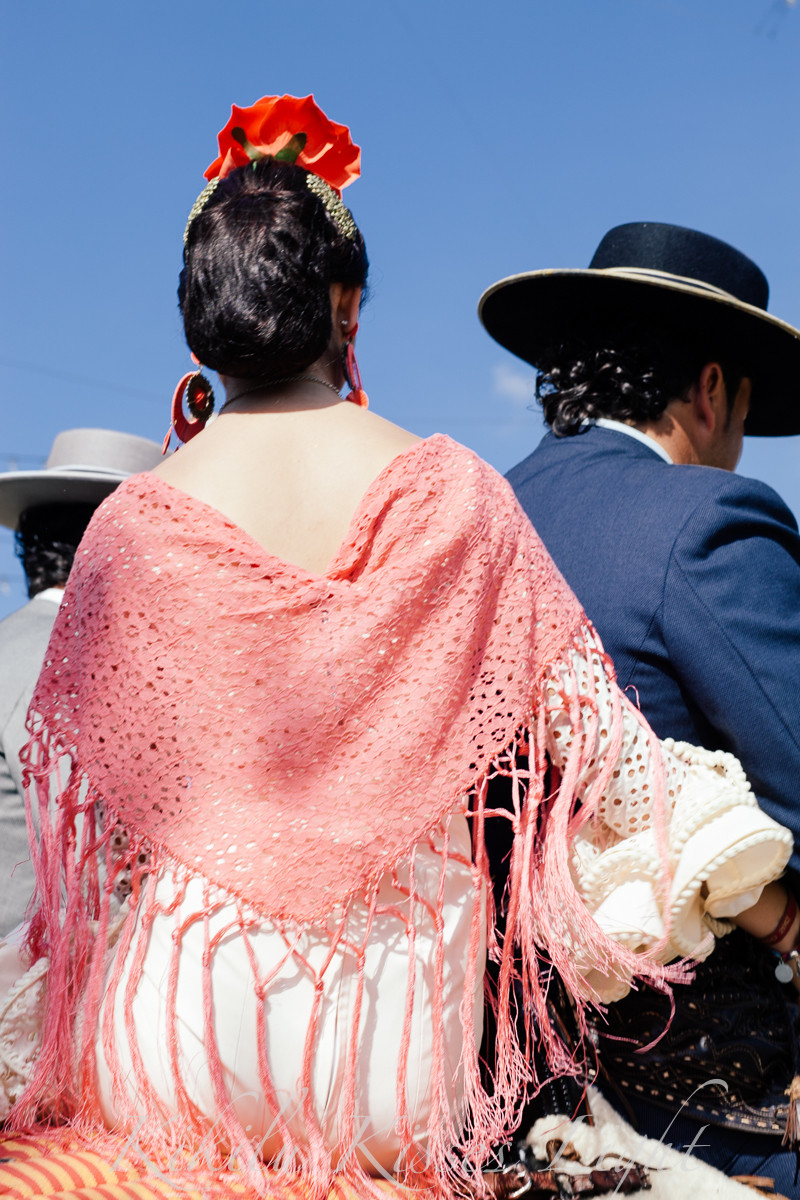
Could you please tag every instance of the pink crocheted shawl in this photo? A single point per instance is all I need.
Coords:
(291, 736)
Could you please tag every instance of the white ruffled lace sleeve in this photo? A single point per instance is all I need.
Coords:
(721, 848)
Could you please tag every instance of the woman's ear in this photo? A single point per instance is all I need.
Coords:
(345, 305)
(352, 299)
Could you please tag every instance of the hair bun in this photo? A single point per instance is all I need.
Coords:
(260, 259)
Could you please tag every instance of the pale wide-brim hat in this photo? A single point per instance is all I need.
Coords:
(84, 466)
(658, 275)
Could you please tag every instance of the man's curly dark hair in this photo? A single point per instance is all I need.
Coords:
(630, 375)
(47, 537)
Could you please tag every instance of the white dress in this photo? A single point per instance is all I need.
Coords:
(722, 850)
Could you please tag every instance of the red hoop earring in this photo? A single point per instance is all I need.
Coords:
(200, 402)
(351, 372)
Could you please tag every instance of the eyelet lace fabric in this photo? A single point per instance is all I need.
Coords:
(719, 847)
(273, 746)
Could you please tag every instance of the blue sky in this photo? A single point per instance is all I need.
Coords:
(495, 139)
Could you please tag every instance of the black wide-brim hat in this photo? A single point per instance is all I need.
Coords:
(656, 274)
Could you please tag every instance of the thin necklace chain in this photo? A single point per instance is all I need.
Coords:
(273, 383)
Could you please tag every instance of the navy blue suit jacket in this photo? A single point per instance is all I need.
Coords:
(691, 576)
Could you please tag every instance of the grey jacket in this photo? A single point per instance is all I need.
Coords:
(23, 641)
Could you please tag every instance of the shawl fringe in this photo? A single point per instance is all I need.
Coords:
(77, 923)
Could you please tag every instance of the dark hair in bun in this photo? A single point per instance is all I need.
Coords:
(629, 374)
(259, 261)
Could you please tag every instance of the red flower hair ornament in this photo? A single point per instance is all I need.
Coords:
(288, 129)
(293, 130)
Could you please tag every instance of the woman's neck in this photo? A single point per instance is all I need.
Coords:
(301, 389)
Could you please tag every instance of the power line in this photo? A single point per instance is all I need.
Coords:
(107, 385)
(13, 460)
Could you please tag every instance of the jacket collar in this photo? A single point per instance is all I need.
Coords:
(636, 434)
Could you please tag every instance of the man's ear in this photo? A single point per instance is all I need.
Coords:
(709, 400)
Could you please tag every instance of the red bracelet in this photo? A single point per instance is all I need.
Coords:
(784, 925)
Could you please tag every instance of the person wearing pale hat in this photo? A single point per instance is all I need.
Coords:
(652, 365)
(49, 510)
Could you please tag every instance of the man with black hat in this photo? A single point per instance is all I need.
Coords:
(652, 365)
(49, 509)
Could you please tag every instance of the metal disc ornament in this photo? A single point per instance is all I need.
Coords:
(784, 972)
(199, 397)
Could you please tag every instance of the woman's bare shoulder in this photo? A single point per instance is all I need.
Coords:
(385, 433)
(365, 441)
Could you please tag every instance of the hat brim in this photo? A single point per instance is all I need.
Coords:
(27, 489)
(534, 311)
